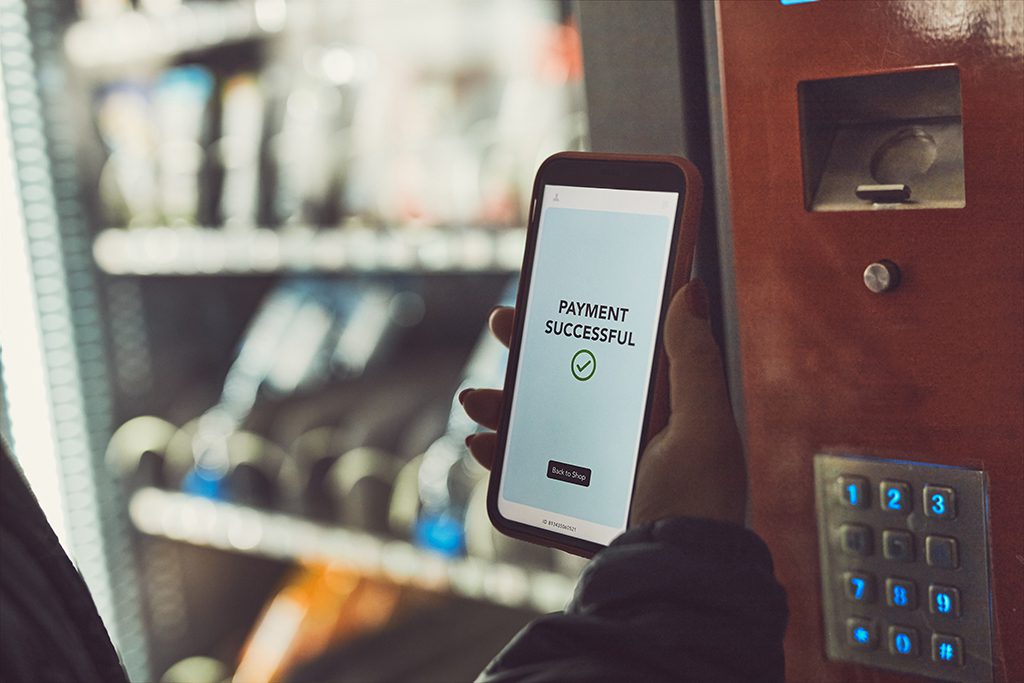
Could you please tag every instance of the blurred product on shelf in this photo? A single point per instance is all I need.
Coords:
(319, 606)
(242, 126)
(181, 105)
(362, 482)
(306, 172)
(236, 466)
(305, 333)
(197, 670)
(128, 183)
(447, 473)
(137, 451)
(155, 136)
(364, 113)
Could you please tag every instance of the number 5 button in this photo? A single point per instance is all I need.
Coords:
(895, 496)
(939, 502)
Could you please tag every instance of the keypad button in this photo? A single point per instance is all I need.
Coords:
(898, 545)
(947, 649)
(859, 587)
(903, 641)
(942, 552)
(944, 601)
(900, 593)
(856, 539)
(939, 502)
(853, 491)
(861, 634)
(895, 496)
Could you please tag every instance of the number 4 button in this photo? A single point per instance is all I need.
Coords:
(939, 502)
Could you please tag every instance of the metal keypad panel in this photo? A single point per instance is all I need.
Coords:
(904, 566)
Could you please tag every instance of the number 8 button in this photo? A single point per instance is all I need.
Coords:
(939, 502)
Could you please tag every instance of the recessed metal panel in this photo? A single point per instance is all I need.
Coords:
(887, 606)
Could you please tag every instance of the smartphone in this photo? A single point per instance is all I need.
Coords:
(610, 240)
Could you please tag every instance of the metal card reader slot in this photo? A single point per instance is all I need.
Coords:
(886, 141)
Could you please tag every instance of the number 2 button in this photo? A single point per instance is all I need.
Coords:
(895, 496)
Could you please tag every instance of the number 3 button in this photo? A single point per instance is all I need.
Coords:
(939, 502)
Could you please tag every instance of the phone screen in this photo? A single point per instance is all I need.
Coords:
(580, 395)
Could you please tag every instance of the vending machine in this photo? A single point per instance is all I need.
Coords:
(866, 161)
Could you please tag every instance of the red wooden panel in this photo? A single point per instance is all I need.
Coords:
(933, 371)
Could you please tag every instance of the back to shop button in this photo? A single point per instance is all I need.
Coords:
(573, 474)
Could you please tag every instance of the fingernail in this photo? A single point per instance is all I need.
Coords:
(469, 439)
(697, 299)
(494, 309)
(462, 395)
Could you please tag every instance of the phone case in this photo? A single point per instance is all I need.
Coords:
(689, 219)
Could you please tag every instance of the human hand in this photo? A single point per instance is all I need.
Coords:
(694, 467)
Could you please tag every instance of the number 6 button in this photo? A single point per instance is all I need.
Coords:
(895, 496)
(939, 502)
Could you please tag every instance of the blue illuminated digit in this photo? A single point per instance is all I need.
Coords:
(902, 643)
(899, 595)
(943, 602)
(858, 587)
(894, 499)
(851, 492)
(938, 504)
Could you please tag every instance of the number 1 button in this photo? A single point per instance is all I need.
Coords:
(853, 491)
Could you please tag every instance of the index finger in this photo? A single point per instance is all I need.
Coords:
(500, 321)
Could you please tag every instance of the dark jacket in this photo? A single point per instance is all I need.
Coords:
(50, 631)
(676, 600)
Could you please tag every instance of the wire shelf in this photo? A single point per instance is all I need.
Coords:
(202, 522)
(216, 251)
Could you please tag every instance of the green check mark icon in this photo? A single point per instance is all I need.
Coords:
(583, 365)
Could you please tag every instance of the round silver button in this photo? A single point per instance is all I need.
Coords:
(882, 276)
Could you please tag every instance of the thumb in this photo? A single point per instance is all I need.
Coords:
(697, 384)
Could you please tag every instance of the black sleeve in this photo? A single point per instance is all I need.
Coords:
(51, 630)
(680, 600)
